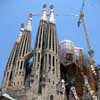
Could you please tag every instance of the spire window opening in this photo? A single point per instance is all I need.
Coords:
(56, 46)
(46, 58)
(14, 60)
(38, 57)
(49, 59)
(18, 63)
(24, 47)
(21, 65)
(21, 47)
(40, 39)
(50, 39)
(53, 61)
(27, 46)
(53, 40)
(43, 39)
(10, 76)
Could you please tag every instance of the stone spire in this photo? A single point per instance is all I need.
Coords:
(44, 13)
(29, 23)
(50, 66)
(52, 19)
(41, 34)
(12, 60)
(52, 41)
(20, 33)
(15, 76)
(38, 54)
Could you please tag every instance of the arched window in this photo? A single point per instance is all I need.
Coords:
(51, 97)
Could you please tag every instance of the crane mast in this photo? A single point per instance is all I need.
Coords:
(90, 50)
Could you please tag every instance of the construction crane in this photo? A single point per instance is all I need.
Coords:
(70, 14)
(81, 20)
(90, 50)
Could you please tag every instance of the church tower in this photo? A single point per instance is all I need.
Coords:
(25, 47)
(38, 53)
(50, 74)
(14, 74)
(45, 74)
(12, 61)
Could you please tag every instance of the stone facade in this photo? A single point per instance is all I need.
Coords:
(39, 74)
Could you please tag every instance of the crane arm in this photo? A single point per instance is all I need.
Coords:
(90, 51)
(81, 20)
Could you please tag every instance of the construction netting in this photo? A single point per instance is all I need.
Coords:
(67, 48)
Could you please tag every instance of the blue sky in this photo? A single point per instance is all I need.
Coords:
(15, 12)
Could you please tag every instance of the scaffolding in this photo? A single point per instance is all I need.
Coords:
(69, 53)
